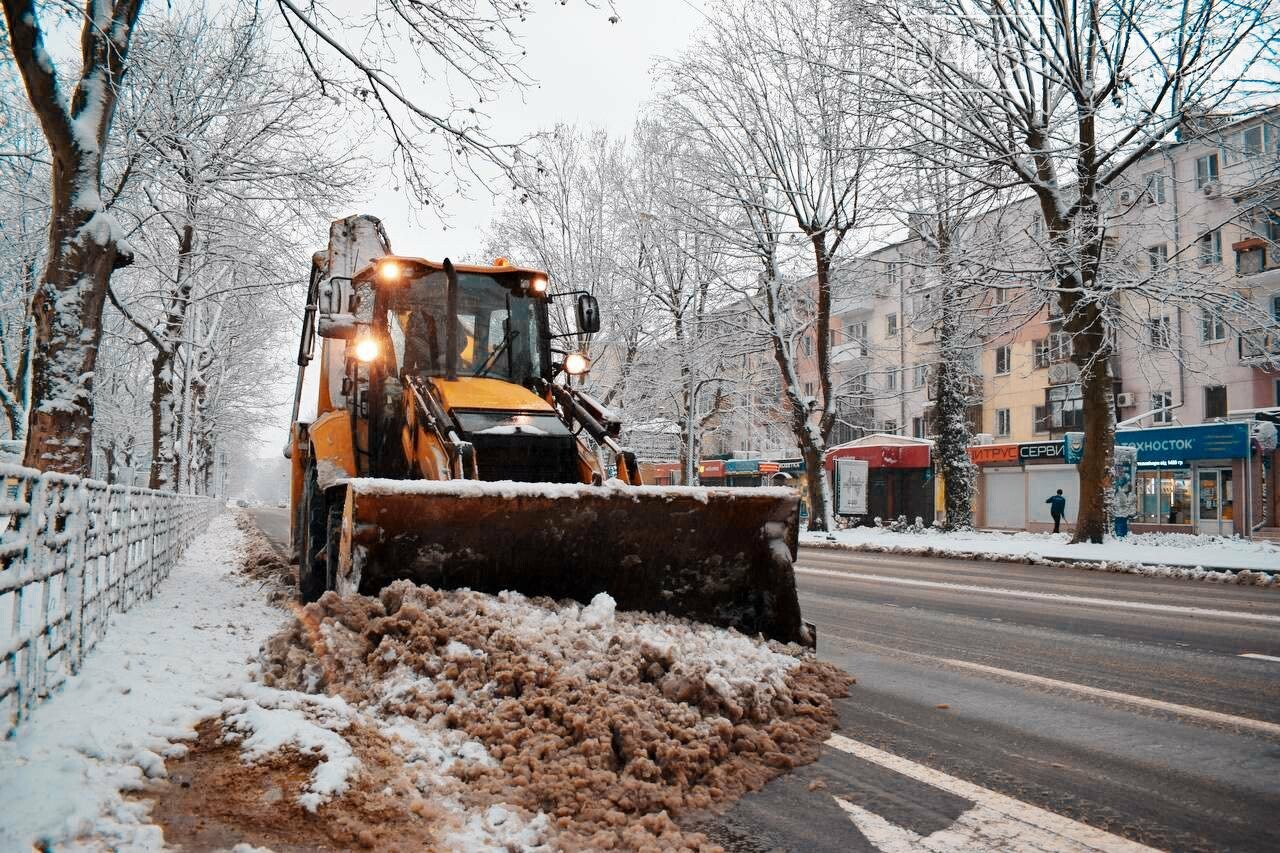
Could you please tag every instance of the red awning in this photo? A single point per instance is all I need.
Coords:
(882, 455)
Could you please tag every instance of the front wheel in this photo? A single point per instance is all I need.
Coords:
(313, 554)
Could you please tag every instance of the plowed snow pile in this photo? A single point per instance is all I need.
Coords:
(457, 720)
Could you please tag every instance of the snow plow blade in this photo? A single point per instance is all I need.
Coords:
(721, 556)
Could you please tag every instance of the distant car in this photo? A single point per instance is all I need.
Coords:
(242, 502)
(282, 504)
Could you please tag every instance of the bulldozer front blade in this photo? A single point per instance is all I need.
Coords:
(721, 556)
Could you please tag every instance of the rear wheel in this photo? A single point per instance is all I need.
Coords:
(313, 561)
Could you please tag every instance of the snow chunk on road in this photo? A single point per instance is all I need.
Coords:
(161, 667)
(305, 726)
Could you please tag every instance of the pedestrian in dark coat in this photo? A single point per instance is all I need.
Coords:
(1057, 508)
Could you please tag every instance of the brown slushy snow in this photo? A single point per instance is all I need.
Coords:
(521, 723)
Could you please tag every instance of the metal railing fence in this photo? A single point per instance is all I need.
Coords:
(72, 552)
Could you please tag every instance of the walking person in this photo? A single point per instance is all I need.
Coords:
(1057, 508)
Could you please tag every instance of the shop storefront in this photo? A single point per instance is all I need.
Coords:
(1015, 480)
(1191, 479)
(661, 473)
(711, 472)
(900, 478)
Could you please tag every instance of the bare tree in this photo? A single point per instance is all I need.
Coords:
(1064, 99)
(454, 42)
(788, 148)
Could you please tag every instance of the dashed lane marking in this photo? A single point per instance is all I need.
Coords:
(996, 822)
(1173, 609)
(1257, 656)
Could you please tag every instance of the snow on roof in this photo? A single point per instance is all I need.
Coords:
(877, 439)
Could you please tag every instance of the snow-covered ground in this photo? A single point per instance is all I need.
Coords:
(420, 719)
(1164, 554)
(161, 667)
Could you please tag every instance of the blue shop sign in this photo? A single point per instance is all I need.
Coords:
(742, 466)
(1176, 445)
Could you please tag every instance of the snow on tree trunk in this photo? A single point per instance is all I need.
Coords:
(85, 244)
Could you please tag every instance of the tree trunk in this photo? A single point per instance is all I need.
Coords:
(67, 311)
(83, 244)
(1096, 387)
(162, 420)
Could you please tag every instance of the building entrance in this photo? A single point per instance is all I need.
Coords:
(1215, 501)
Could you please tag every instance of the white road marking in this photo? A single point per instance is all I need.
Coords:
(996, 822)
(1257, 656)
(1141, 701)
(1046, 596)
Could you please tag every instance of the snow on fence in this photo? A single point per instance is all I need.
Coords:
(72, 552)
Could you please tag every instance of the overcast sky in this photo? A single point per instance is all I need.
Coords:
(589, 72)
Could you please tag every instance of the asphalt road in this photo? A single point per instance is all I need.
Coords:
(1007, 707)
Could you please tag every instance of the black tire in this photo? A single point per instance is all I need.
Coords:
(333, 535)
(313, 562)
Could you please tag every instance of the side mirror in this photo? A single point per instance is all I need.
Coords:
(341, 327)
(588, 314)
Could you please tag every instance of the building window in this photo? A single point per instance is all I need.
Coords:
(1065, 407)
(808, 345)
(1162, 407)
(1164, 497)
(1002, 295)
(1206, 170)
(1155, 187)
(1158, 327)
(1003, 423)
(808, 389)
(1275, 308)
(1158, 257)
(891, 380)
(891, 270)
(921, 376)
(857, 334)
(1002, 360)
(1212, 327)
(1253, 142)
(1251, 260)
(1052, 349)
(891, 427)
(891, 326)
(1215, 402)
(1211, 248)
(917, 427)
(1040, 419)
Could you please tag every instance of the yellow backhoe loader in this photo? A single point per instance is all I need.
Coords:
(437, 437)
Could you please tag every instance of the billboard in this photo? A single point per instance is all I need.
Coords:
(851, 486)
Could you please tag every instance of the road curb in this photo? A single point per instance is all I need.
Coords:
(1223, 575)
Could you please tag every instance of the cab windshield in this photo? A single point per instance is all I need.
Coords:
(498, 333)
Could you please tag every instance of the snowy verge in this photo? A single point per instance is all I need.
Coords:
(1167, 555)
(162, 666)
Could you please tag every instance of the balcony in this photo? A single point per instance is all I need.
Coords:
(1260, 347)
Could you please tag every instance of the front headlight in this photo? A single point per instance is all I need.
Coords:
(367, 349)
(576, 364)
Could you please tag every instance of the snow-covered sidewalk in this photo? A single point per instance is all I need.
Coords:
(161, 667)
(1168, 554)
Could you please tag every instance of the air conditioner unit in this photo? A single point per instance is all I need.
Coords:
(984, 438)
(1125, 400)
(1061, 374)
(1212, 190)
(1126, 196)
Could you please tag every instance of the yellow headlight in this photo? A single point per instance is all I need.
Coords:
(576, 364)
(367, 349)
(390, 271)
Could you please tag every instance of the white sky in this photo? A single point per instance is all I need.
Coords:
(589, 72)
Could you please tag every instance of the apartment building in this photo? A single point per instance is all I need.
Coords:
(1196, 214)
